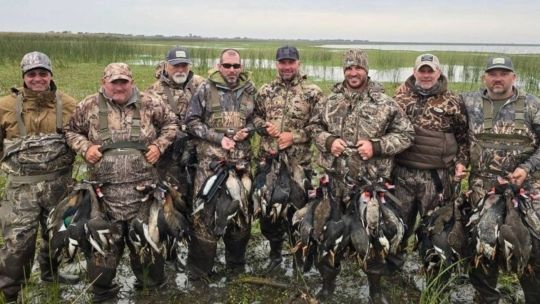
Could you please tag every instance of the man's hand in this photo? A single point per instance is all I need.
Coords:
(518, 176)
(285, 140)
(338, 146)
(92, 154)
(365, 148)
(241, 134)
(460, 172)
(227, 143)
(153, 154)
(271, 129)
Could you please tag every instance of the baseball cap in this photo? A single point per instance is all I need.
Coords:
(177, 55)
(117, 70)
(287, 52)
(356, 57)
(499, 63)
(34, 60)
(429, 60)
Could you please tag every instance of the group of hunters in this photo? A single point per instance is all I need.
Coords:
(380, 163)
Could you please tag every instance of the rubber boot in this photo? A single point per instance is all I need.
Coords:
(275, 257)
(329, 275)
(376, 296)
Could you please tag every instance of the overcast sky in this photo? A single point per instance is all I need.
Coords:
(497, 21)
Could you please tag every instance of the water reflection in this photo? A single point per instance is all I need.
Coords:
(455, 73)
(484, 48)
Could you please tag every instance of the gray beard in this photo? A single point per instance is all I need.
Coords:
(179, 78)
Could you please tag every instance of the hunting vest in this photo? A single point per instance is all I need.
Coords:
(123, 160)
(29, 159)
(498, 154)
(430, 150)
(222, 120)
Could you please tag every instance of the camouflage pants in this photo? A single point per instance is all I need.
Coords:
(485, 282)
(418, 194)
(25, 208)
(147, 265)
(202, 248)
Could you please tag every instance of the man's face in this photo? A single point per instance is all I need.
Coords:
(38, 80)
(426, 77)
(355, 77)
(499, 83)
(178, 72)
(287, 68)
(230, 68)
(119, 90)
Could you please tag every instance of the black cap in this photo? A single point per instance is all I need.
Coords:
(504, 63)
(287, 52)
(178, 55)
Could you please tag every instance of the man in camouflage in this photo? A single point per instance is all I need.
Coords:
(358, 113)
(219, 116)
(38, 163)
(284, 107)
(424, 172)
(504, 129)
(176, 85)
(121, 133)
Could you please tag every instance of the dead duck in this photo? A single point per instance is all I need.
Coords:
(514, 237)
(332, 235)
(487, 229)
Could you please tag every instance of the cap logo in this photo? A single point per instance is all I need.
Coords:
(180, 54)
(497, 61)
(427, 58)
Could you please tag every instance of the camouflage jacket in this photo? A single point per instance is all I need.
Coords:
(39, 111)
(288, 106)
(352, 116)
(441, 111)
(181, 93)
(216, 108)
(158, 122)
(522, 134)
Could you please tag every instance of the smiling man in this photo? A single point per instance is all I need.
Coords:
(284, 107)
(504, 124)
(358, 130)
(424, 172)
(121, 133)
(37, 163)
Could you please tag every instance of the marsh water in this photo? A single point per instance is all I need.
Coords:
(403, 287)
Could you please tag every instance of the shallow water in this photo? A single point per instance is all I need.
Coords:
(404, 287)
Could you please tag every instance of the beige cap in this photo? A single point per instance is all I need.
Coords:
(429, 60)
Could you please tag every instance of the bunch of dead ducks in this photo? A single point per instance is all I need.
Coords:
(504, 223)
(369, 227)
(79, 222)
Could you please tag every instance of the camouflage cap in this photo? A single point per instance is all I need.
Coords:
(504, 63)
(35, 60)
(429, 60)
(356, 57)
(117, 70)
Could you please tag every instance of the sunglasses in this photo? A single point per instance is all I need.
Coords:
(235, 66)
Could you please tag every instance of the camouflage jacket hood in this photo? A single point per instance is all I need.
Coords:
(352, 116)
(244, 80)
(438, 110)
(288, 105)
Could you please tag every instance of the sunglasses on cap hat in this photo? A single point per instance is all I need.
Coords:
(235, 66)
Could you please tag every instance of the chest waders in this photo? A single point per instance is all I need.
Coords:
(31, 159)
